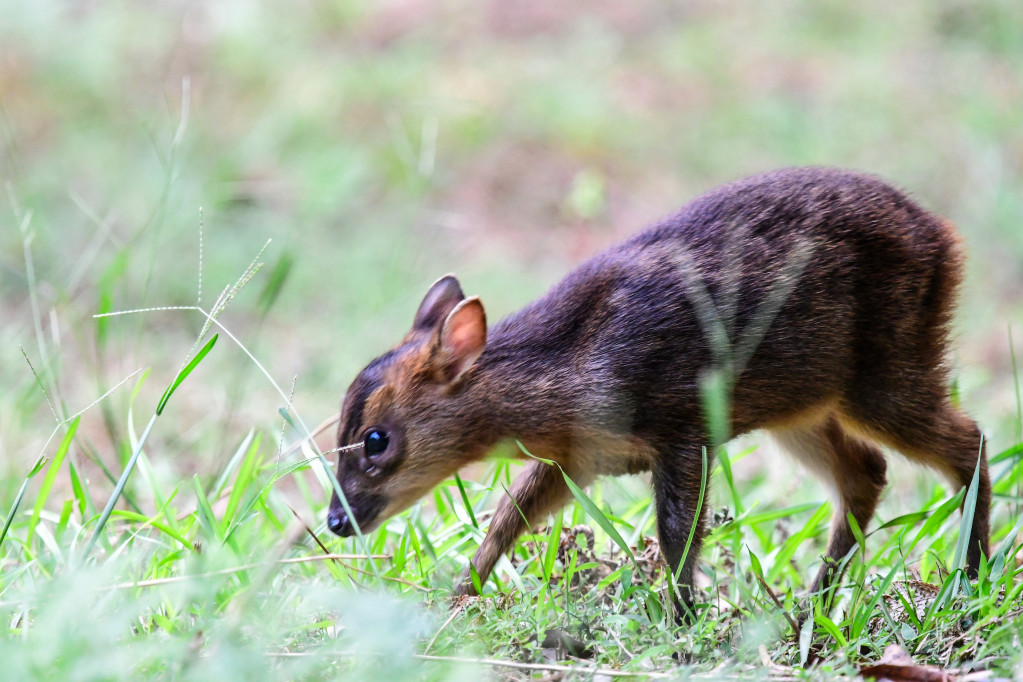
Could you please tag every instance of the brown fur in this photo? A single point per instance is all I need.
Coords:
(821, 298)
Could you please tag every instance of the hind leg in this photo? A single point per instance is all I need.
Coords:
(945, 439)
(854, 469)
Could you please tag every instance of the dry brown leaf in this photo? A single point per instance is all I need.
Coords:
(898, 666)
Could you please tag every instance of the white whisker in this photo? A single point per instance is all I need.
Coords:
(344, 448)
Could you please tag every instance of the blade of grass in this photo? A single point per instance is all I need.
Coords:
(465, 501)
(751, 519)
(336, 485)
(789, 548)
(51, 476)
(1015, 383)
(275, 283)
(79, 489)
(591, 509)
(21, 494)
(726, 469)
(183, 374)
(969, 510)
(758, 573)
(833, 630)
(242, 482)
(862, 616)
(474, 577)
(937, 517)
(137, 451)
(805, 639)
(204, 512)
(114, 496)
(144, 521)
(553, 542)
(240, 452)
(696, 516)
(910, 519)
(854, 526)
(715, 394)
(1009, 453)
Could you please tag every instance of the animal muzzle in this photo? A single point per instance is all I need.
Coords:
(365, 512)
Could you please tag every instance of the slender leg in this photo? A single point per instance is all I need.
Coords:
(947, 440)
(537, 491)
(676, 478)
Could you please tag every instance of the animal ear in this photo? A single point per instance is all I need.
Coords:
(462, 338)
(439, 301)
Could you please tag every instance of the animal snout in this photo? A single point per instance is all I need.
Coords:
(338, 523)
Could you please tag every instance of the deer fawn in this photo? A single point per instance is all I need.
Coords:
(822, 297)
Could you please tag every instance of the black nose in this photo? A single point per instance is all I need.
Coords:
(336, 521)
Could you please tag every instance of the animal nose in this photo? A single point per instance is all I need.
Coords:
(336, 521)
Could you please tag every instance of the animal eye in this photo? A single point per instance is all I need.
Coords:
(375, 442)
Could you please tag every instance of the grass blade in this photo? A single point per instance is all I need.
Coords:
(696, 516)
(275, 283)
(590, 507)
(910, 519)
(121, 482)
(465, 501)
(242, 483)
(241, 451)
(21, 494)
(336, 486)
(553, 542)
(51, 476)
(862, 616)
(969, 510)
(204, 512)
(605, 523)
(833, 631)
(805, 639)
(183, 374)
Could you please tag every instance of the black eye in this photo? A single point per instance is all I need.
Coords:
(375, 442)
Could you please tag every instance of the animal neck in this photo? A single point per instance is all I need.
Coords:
(519, 390)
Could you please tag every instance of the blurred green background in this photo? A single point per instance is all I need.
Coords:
(381, 145)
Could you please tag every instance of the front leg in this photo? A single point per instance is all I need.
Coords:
(677, 477)
(538, 490)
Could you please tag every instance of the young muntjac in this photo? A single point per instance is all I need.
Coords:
(820, 300)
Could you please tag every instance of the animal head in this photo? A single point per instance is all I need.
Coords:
(406, 412)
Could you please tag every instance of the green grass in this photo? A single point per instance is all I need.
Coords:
(162, 505)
